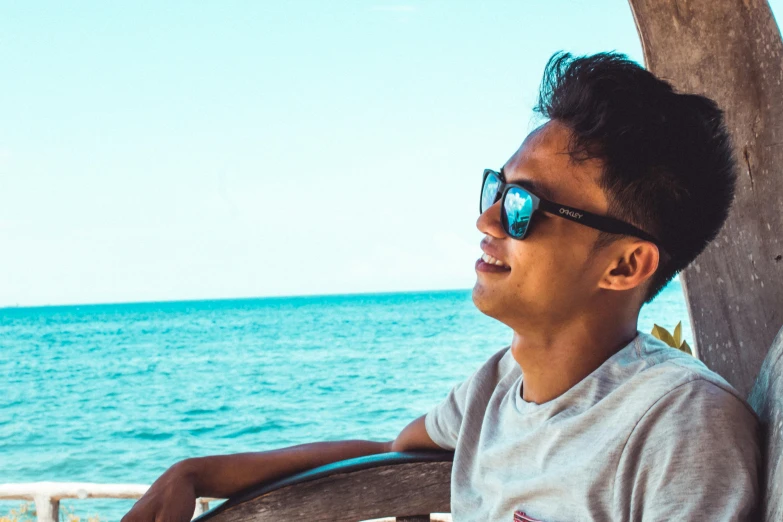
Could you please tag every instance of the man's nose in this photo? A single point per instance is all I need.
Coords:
(489, 222)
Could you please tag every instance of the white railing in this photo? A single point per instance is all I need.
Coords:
(47, 495)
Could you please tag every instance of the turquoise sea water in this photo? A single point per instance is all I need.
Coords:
(117, 393)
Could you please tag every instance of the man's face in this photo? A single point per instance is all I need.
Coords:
(553, 274)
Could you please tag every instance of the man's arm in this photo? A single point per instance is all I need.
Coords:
(172, 496)
(224, 475)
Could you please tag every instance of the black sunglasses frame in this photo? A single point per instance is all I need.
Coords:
(596, 221)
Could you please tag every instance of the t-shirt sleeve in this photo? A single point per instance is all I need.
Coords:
(694, 455)
(443, 422)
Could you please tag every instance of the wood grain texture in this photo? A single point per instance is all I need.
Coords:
(398, 490)
(767, 400)
(731, 51)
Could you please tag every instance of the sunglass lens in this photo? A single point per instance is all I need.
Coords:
(518, 208)
(489, 191)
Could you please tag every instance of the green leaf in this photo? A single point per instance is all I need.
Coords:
(678, 334)
(685, 348)
(664, 335)
(655, 331)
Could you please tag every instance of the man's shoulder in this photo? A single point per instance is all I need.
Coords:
(674, 368)
(691, 444)
(667, 373)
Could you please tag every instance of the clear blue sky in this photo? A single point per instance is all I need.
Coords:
(184, 150)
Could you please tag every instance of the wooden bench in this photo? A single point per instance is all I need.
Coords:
(408, 486)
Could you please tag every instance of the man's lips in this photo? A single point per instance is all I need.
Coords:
(482, 266)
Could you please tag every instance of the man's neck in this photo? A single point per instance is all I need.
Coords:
(553, 363)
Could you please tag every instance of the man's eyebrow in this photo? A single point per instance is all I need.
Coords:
(533, 186)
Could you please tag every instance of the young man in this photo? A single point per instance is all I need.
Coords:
(582, 417)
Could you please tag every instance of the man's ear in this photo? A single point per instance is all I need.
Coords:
(632, 264)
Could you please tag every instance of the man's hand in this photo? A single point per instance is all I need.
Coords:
(171, 498)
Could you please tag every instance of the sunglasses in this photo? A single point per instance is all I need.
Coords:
(518, 206)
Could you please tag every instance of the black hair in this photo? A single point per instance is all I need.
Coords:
(668, 163)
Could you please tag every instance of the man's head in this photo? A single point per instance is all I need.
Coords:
(618, 142)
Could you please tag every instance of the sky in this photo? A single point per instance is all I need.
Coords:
(155, 151)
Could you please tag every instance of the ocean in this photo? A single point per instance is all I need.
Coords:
(118, 393)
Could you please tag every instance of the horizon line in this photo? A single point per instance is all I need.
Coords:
(249, 298)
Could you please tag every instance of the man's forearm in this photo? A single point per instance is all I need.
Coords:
(221, 476)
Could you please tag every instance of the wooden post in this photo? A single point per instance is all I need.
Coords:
(202, 506)
(47, 509)
(731, 51)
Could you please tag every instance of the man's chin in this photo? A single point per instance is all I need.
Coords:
(484, 299)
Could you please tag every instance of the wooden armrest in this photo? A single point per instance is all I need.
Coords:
(398, 484)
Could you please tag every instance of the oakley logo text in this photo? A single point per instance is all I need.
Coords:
(576, 215)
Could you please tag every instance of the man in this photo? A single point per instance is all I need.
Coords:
(582, 417)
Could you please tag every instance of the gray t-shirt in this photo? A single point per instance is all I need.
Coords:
(650, 435)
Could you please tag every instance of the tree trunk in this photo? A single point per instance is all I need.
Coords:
(731, 51)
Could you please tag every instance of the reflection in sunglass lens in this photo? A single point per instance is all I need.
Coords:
(489, 191)
(518, 208)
